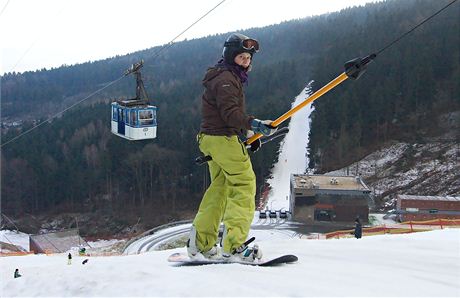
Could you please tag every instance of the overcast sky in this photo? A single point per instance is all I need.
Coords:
(39, 34)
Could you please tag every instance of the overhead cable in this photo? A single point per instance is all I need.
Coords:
(4, 7)
(168, 45)
(410, 31)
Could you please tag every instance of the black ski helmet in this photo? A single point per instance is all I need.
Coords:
(236, 44)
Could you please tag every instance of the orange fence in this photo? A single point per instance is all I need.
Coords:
(402, 228)
(15, 253)
(51, 253)
(434, 222)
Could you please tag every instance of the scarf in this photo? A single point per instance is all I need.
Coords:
(239, 71)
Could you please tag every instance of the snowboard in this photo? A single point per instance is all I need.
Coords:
(180, 259)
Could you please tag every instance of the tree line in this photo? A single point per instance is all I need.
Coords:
(74, 163)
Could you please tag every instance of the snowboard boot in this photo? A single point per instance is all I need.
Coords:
(244, 253)
(195, 254)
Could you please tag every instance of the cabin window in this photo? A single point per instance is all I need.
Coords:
(146, 117)
(120, 115)
(133, 118)
(114, 114)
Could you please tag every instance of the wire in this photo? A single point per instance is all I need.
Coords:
(410, 31)
(24, 54)
(61, 112)
(168, 45)
(4, 7)
(34, 42)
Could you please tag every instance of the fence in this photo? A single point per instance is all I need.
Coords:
(15, 253)
(53, 253)
(402, 228)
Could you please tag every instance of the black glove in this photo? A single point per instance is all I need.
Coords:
(254, 146)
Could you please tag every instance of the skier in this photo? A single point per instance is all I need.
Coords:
(16, 273)
(231, 194)
(358, 228)
(69, 259)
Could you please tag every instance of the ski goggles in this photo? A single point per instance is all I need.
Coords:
(250, 44)
(247, 44)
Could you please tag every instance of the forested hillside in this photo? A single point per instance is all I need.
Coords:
(75, 164)
(403, 92)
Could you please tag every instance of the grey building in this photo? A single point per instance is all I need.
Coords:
(56, 242)
(329, 198)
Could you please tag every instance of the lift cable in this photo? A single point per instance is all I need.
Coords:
(4, 7)
(354, 69)
(168, 45)
(61, 112)
(40, 36)
(415, 27)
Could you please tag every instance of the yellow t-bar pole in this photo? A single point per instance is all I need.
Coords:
(331, 85)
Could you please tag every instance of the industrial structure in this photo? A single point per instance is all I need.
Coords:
(56, 242)
(329, 198)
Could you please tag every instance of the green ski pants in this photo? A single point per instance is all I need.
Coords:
(231, 195)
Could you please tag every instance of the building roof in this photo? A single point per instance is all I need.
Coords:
(328, 182)
(429, 198)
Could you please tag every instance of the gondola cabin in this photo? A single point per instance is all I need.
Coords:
(134, 120)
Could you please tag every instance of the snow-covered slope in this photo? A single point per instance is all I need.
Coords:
(431, 167)
(293, 158)
(20, 240)
(420, 264)
(417, 169)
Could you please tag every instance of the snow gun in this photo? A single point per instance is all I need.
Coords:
(354, 69)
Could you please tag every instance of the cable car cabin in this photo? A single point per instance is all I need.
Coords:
(134, 120)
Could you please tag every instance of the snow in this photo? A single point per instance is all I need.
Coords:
(418, 264)
(432, 169)
(102, 243)
(293, 158)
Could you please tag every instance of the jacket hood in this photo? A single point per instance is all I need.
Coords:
(212, 72)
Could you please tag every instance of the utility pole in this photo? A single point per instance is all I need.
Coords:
(78, 232)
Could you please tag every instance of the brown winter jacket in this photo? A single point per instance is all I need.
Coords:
(223, 104)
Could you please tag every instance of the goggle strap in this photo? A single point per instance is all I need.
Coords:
(238, 43)
(231, 43)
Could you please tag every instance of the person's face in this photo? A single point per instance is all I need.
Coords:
(243, 59)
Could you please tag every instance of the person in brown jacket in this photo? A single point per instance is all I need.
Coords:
(231, 195)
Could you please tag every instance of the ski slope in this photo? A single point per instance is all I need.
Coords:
(293, 157)
(420, 264)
